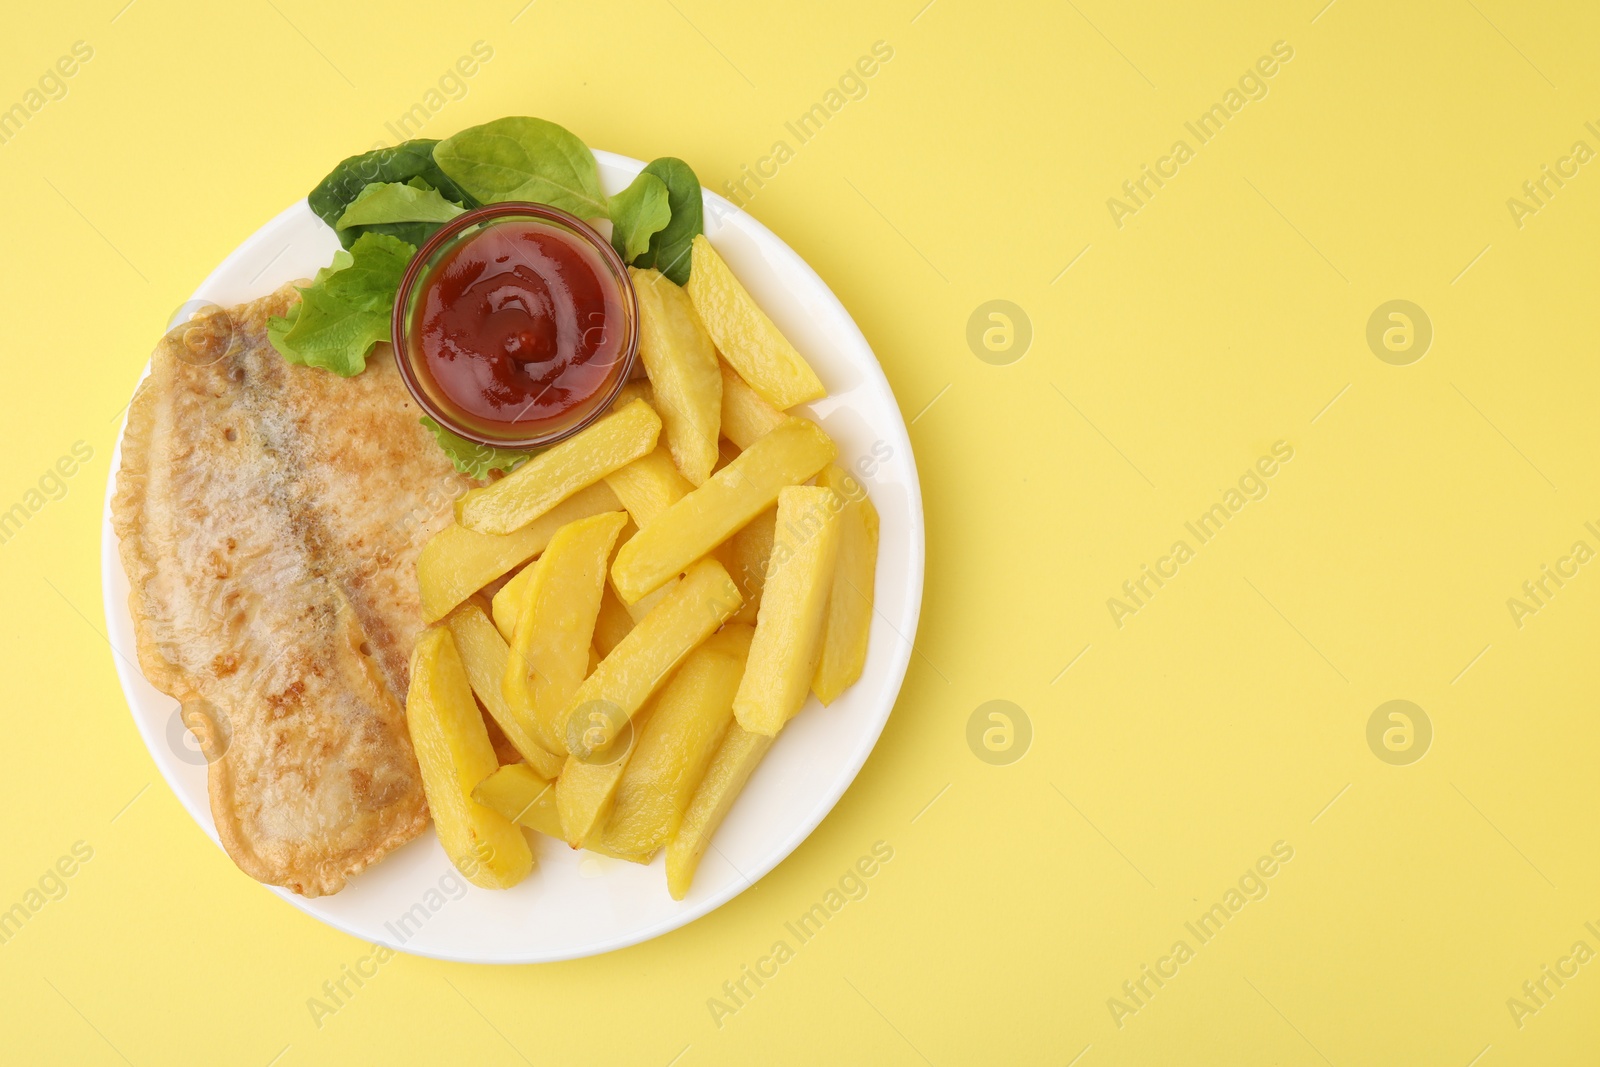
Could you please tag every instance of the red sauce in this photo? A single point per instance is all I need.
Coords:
(512, 327)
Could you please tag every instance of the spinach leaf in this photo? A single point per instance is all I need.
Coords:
(401, 163)
(346, 310)
(637, 213)
(669, 248)
(472, 459)
(524, 159)
(380, 202)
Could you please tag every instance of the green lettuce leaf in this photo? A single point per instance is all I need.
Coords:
(472, 459)
(414, 201)
(278, 328)
(637, 213)
(524, 159)
(400, 163)
(346, 309)
(669, 248)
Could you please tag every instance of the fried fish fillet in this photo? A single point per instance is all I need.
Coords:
(269, 519)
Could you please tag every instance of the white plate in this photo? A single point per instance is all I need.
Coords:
(579, 904)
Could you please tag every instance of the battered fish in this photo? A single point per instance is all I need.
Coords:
(269, 517)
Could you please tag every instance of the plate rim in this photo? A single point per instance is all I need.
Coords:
(129, 673)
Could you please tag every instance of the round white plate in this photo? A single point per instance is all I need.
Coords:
(576, 903)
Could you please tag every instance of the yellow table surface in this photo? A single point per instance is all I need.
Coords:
(1177, 734)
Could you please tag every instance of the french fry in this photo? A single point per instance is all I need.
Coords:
(670, 757)
(647, 603)
(483, 653)
(540, 484)
(649, 485)
(849, 618)
(549, 654)
(745, 336)
(457, 562)
(507, 601)
(788, 641)
(522, 795)
(637, 389)
(730, 769)
(682, 365)
(586, 790)
(749, 551)
(612, 624)
(454, 754)
(792, 452)
(689, 613)
(745, 416)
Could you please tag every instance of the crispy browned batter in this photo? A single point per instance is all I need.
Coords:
(269, 517)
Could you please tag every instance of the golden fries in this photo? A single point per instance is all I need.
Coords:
(636, 389)
(671, 754)
(844, 633)
(682, 365)
(454, 754)
(612, 624)
(483, 654)
(730, 769)
(677, 601)
(745, 416)
(507, 600)
(522, 795)
(792, 452)
(649, 485)
(588, 787)
(549, 653)
(647, 603)
(540, 484)
(745, 336)
(456, 562)
(788, 641)
(749, 552)
(689, 613)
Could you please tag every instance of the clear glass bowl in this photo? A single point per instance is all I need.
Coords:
(412, 363)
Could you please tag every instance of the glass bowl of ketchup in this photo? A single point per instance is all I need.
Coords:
(516, 325)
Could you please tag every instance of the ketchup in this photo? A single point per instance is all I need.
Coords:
(512, 327)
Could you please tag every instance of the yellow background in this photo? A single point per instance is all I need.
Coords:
(1223, 717)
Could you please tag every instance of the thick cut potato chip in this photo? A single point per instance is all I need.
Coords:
(647, 603)
(788, 641)
(612, 624)
(634, 389)
(649, 485)
(669, 759)
(691, 611)
(483, 653)
(745, 416)
(788, 455)
(507, 602)
(748, 553)
(730, 769)
(745, 336)
(557, 473)
(454, 754)
(549, 654)
(844, 632)
(456, 562)
(522, 795)
(587, 788)
(682, 365)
